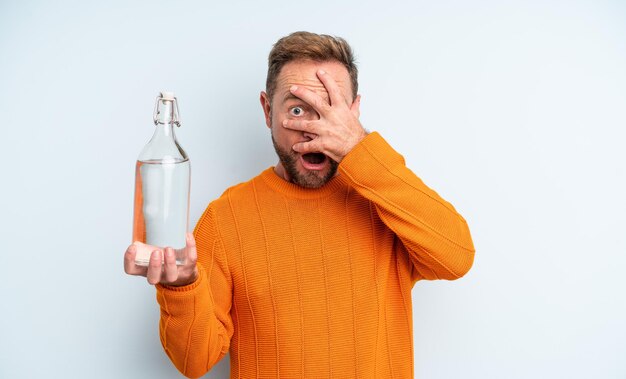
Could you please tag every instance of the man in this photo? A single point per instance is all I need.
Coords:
(306, 270)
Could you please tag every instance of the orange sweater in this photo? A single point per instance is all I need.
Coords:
(315, 283)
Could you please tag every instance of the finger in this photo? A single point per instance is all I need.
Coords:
(334, 92)
(302, 125)
(314, 100)
(129, 259)
(191, 259)
(129, 262)
(312, 146)
(171, 271)
(355, 108)
(155, 267)
(191, 252)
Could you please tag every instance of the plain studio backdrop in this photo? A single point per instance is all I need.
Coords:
(514, 111)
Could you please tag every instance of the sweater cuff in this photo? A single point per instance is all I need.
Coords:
(368, 158)
(176, 300)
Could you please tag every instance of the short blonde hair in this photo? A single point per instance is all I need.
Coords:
(316, 47)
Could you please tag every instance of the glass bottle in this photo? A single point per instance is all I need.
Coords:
(162, 183)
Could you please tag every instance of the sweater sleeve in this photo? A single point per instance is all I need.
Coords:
(434, 235)
(195, 325)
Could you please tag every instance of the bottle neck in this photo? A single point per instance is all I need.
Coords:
(165, 113)
(164, 126)
(163, 145)
(165, 120)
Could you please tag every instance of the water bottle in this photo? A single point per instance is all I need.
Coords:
(162, 182)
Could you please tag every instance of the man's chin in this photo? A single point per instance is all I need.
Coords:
(309, 180)
(314, 178)
(297, 173)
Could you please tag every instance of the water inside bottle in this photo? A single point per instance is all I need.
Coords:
(161, 207)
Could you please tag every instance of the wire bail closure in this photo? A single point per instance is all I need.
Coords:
(175, 112)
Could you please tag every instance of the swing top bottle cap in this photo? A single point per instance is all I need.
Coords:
(167, 95)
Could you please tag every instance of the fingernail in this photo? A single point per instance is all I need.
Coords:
(322, 72)
(284, 122)
(293, 88)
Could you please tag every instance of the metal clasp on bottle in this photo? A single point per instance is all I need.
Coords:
(176, 112)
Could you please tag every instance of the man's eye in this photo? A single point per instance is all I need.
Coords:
(296, 111)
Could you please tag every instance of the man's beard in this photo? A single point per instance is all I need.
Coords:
(310, 179)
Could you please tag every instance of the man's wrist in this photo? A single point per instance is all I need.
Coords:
(188, 281)
(186, 285)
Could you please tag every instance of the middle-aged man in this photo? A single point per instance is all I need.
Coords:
(306, 270)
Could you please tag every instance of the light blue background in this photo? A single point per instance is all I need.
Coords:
(512, 110)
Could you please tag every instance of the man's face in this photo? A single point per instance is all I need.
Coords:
(311, 170)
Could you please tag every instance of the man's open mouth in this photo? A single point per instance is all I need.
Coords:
(314, 158)
(314, 161)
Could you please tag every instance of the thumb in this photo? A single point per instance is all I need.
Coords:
(192, 253)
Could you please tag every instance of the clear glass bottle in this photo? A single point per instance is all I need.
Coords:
(162, 183)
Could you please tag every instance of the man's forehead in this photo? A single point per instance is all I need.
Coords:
(286, 95)
(304, 73)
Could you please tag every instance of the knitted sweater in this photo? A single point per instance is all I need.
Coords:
(314, 283)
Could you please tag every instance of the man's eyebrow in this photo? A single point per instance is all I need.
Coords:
(290, 96)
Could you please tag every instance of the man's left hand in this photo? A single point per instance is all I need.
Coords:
(338, 129)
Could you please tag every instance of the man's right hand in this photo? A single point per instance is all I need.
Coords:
(167, 273)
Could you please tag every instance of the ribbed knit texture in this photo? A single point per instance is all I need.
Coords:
(315, 283)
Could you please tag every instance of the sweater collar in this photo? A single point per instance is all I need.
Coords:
(289, 189)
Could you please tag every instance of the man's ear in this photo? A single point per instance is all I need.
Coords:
(356, 106)
(265, 103)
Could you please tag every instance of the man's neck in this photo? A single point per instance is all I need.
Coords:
(281, 172)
